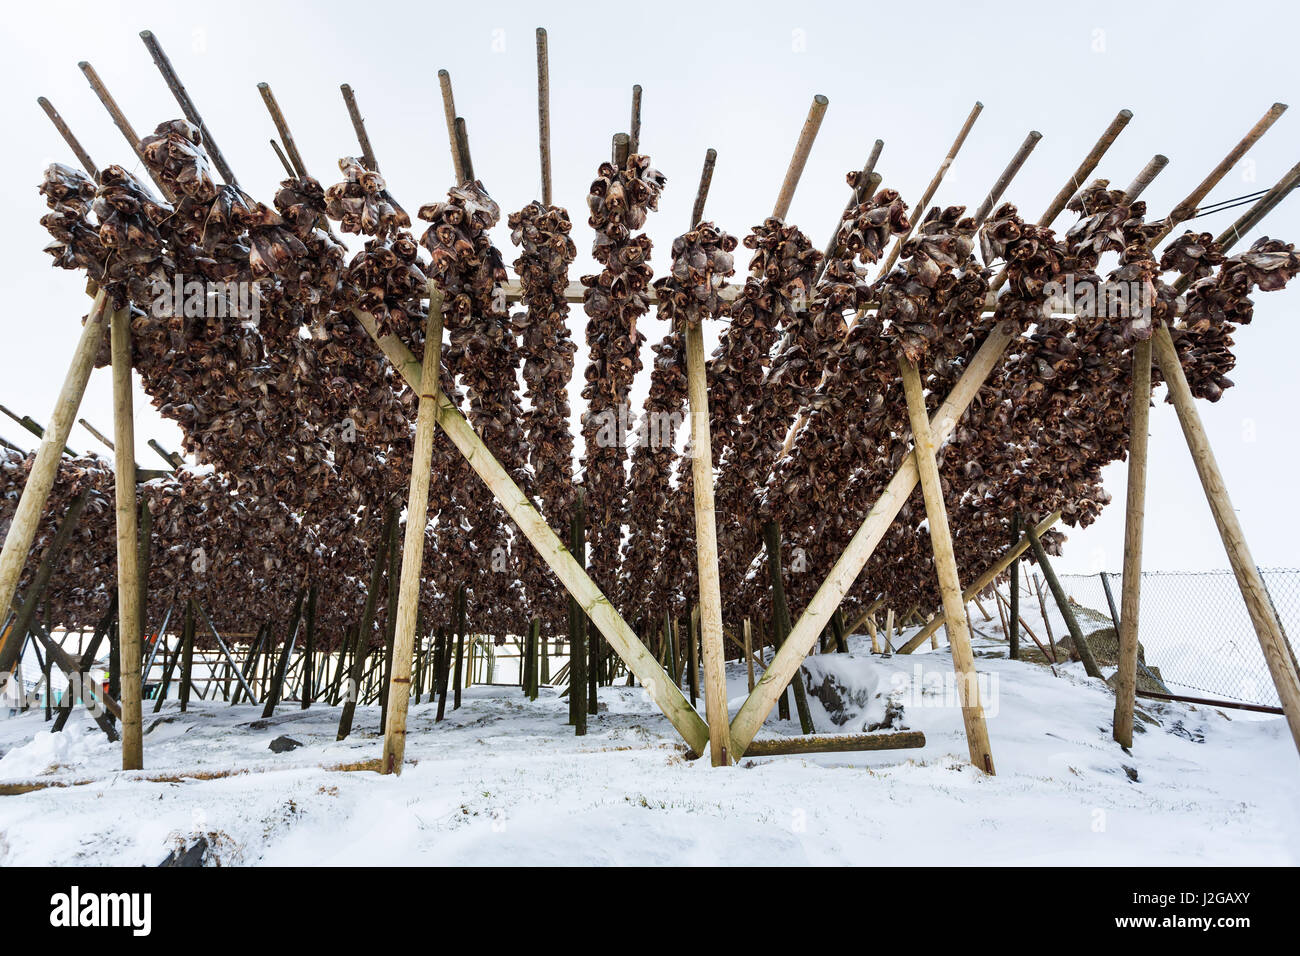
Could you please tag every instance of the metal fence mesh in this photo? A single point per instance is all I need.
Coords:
(1195, 631)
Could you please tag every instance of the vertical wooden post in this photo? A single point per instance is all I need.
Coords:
(1127, 633)
(692, 653)
(749, 652)
(282, 668)
(577, 628)
(441, 668)
(128, 541)
(706, 551)
(534, 647)
(1267, 628)
(27, 516)
(1014, 636)
(309, 650)
(460, 648)
(837, 629)
(945, 562)
(781, 620)
(361, 641)
(417, 521)
(187, 654)
(390, 626)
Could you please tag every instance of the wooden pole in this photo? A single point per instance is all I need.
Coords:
(309, 678)
(789, 656)
(1134, 511)
(544, 113)
(187, 655)
(1080, 177)
(924, 203)
(121, 122)
(462, 145)
(749, 652)
(1267, 628)
(25, 614)
(1063, 604)
(82, 156)
(27, 516)
(361, 640)
(945, 562)
(417, 522)
(282, 127)
(440, 670)
(359, 127)
(706, 550)
(1150, 171)
(834, 743)
(535, 528)
(1008, 174)
(577, 627)
(692, 653)
(781, 620)
(1187, 208)
(102, 707)
(188, 108)
(286, 653)
(634, 126)
(868, 180)
(460, 646)
(449, 111)
(702, 191)
(1008, 559)
(802, 148)
(128, 541)
(1013, 636)
(1042, 609)
(391, 576)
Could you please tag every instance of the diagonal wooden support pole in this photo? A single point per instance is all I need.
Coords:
(99, 704)
(128, 541)
(417, 521)
(984, 580)
(27, 516)
(802, 148)
(945, 563)
(846, 569)
(286, 654)
(25, 613)
(923, 204)
(239, 673)
(1062, 599)
(534, 527)
(1280, 666)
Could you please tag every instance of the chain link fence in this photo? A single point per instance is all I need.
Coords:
(1194, 630)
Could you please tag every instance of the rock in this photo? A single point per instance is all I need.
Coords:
(284, 744)
(841, 702)
(1149, 679)
(188, 857)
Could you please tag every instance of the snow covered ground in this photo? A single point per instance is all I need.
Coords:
(504, 781)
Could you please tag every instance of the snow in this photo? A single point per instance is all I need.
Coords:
(504, 781)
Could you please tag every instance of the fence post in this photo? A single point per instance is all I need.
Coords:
(1110, 600)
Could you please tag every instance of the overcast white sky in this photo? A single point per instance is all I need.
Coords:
(738, 78)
